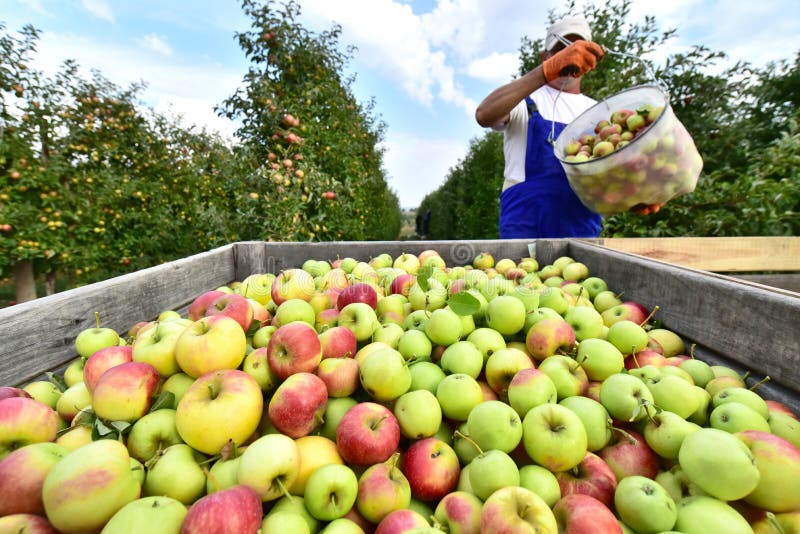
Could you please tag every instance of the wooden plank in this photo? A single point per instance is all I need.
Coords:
(39, 335)
(741, 321)
(717, 254)
(786, 281)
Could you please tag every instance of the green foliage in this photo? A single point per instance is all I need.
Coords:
(743, 121)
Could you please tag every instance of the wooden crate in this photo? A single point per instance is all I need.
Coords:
(746, 325)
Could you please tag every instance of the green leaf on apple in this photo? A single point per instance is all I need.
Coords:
(464, 304)
(165, 399)
(58, 380)
(121, 426)
(422, 276)
(254, 326)
(100, 430)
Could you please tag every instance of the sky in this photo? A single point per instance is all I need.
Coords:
(426, 63)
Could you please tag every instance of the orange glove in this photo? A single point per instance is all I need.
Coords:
(645, 209)
(575, 60)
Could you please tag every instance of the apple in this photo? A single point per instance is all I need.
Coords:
(666, 341)
(407, 262)
(549, 336)
(418, 413)
(416, 320)
(599, 358)
(257, 286)
(567, 375)
(388, 333)
(360, 292)
(699, 370)
(402, 284)
(626, 311)
(458, 394)
(541, 481)
(24, 421)
(292, 284)
(177, 384)
(432, 469)
(72, 401)
(415, 345)
(152, 433)
(402, 521)
(326, 319)
(494, 425)
(124, 392)
(665, 432)
(234, 306)
(27, 523)
(256, 364)
(605, 300)
(88, 486)
(330, 491)
(203, 415)
(554, 298)
(367, 434)
(592, 476)
(490, 471)
(43, 391)
(530, 387)
(22, 475)
(462, 357)
(334, 411)
(554, 437)
(382, 489)
(702, 514)
(197, 309)
(90, 340)
(384, 374)
(645, 505)
(340, 375)
(360, 318)
(175, 473)
(443, 327)
(735, 417)
(778, 463)
(148, 514)
(519, 510)
(586, 322)
(338, 342)
(627, 336)
(235, 510)
(294, 348)
(501, 367)
(674, 394)
(102, 360)
(505, 314)
(432, 298)
(720, 463)
(595, 420)
(785, 426)
(629, 454)
(292, 516)
(459, 512)
(582, 514)
(292, 310)
(210, 344)
(297, 405)
(74, 372)
(625, 397)
(270, 465)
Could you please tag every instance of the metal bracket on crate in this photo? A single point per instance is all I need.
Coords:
(532, 249)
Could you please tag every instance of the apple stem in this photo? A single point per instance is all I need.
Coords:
(774, 522)
(691, 350)
(97, 319)
(210, 476)
(627, 435)
(746, 375)
(635, 360)
(392, 461)
(285, 492)
(760, 383)
(459, 434)
(210, 460)
(647, 319)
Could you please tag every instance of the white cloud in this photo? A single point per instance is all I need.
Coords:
(494, 68)
(155, 43)
(99, 8)
(418, 165)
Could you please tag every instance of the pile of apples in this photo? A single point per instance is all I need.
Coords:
(660, 163)
(398, 395)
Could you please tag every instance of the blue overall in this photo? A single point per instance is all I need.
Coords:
(544, 205)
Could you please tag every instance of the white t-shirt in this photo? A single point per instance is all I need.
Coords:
(563, 107)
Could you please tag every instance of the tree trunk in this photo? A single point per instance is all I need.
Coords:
(50, 282)
(24, 281)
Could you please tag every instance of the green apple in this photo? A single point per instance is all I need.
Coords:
(331, 491)
(176, 474)
(599, 358)
(462, 357)
(416, 319)
(594, 286)
(432, 298)
(516, 509)
(487, 340)
(644, 505)
(491, 471)
(443, 327)
(735, 417)
(270, 465)
(294, 310)
(744, 396)
(360, 318)
(284, 521)
(43, 391)
(627, 336)
(458, 394)
(384, 374)
(177, 384)
(418, 413)
(414, 345)
(156, 346)
(720, 463)
(90, 340)
(595, 420)
(494, 425)
(785, 426)
(256, 364)
(625, 397)
(668, 342)
(223, 474)
(554, 437)
(152, 434)
(702, 515)
(541, 481)
(425, 375)
(528, 295)
(388, 333)
(554, 298)
(575, 272)
(665, 432)
(334, 411)
(568, 376)
(699, 370)
(674, 394)
(530, 387)
(586, 322)
(74, 399)
(339, 526)
(501, 367)
(148, 514)
(505, 314)
(605, 300)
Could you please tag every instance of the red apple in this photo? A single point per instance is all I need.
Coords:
(360, 292)
(367, 434)
(591, 477)
(402, 284)
(338, 342)
(124, 392)
(27, 524)
(297, 405)
(197, 308)
(24, 421)
(234, 306)
(104, 359)
(340, 376)
(432, 469)
(629, 454)
(581, 514)
(22, 475)
(235, 510)
(645, 357)
(294, 348)
(777, 406)
(6, 392)
(401, 521)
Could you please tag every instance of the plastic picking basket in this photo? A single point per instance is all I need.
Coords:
(659, 164)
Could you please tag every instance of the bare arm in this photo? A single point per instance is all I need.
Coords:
(496, 107)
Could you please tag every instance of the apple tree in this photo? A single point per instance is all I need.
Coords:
(309, 150)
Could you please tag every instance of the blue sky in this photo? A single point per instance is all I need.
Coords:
(427, 63)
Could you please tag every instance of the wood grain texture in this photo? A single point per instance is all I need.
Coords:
(39, 335)
(716, 254)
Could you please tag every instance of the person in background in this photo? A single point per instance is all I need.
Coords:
(532, 110)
